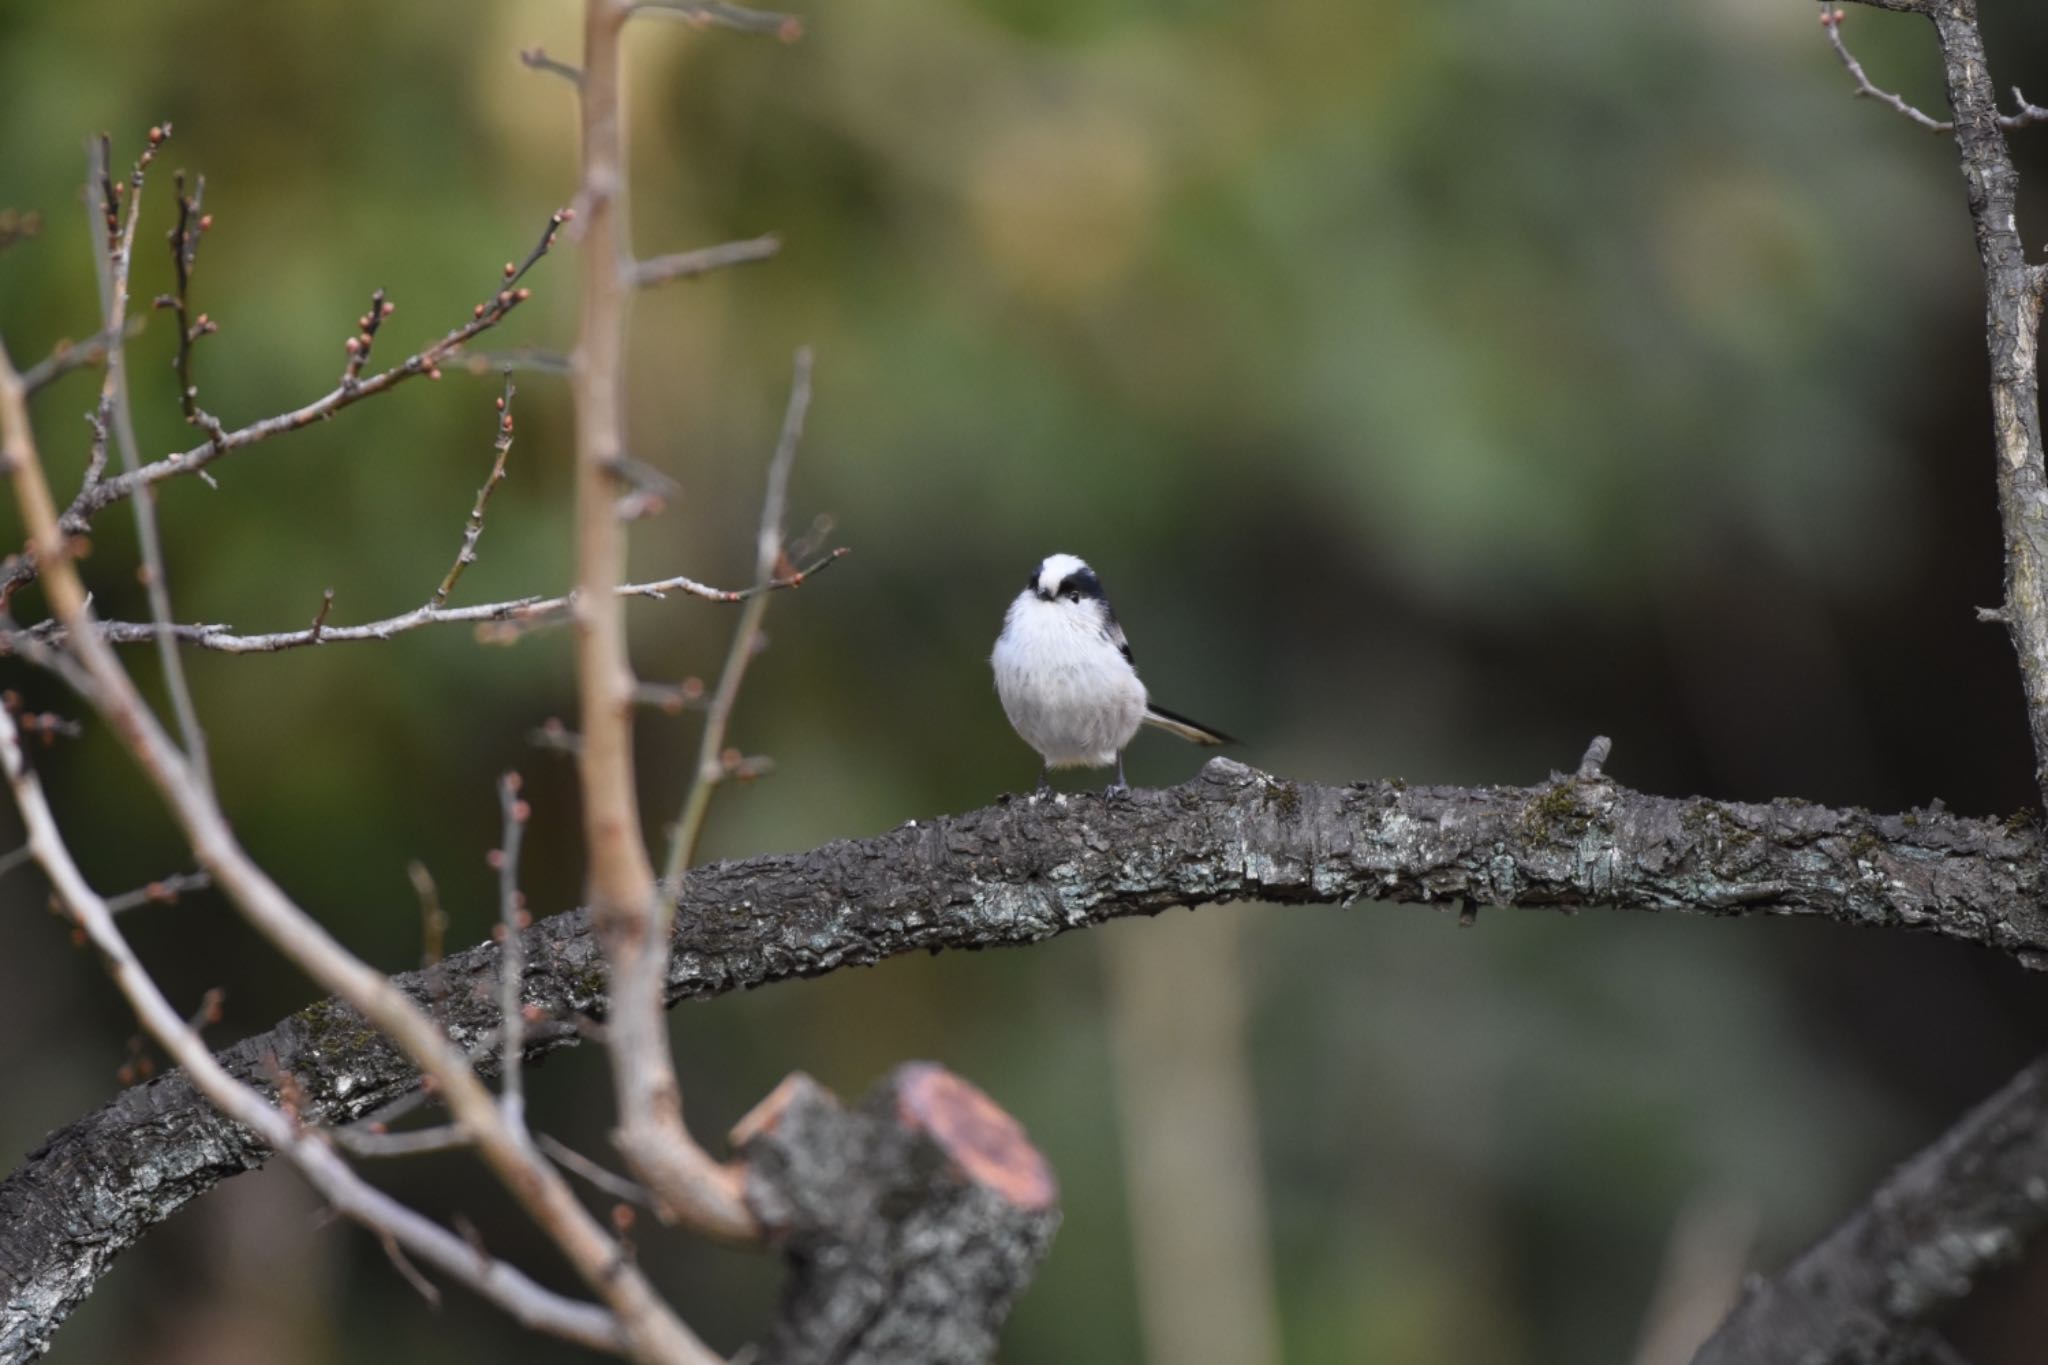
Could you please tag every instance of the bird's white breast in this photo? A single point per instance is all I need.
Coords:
(1065, 686)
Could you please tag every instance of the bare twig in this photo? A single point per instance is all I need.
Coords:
(475, 529)
(402, 1263)
(528, 359)
(689, 265)
(358, 345)
(521, 611)
(1831, 24)
(711, 766)
(714, 14)
(426, 361)
(1831, 17)
(193, 223)
(573, 1161)
(67, 356)
(512, 922)
(163, 891)
(114, 406)
(537, 59)
(519, 1296)
(369, 1140)
(651, 1331)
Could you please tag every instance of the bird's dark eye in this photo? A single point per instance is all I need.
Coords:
(1073, 594)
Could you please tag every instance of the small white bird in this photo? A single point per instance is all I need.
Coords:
(1064, 673)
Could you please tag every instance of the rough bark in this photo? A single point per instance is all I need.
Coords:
(1960, 1209)
(2012, 322)
(1018, 872)
(1973, 1199)
(911, 1224)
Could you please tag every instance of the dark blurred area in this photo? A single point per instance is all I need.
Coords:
(1435, 386)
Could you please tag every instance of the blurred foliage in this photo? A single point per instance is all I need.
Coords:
(1434, 384)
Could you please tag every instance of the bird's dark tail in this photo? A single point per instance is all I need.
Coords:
(1192, 731)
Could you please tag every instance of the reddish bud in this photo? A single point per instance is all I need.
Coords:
(622, 1218)
(205, 222)
(524, 294)
(433, 372)
(567, 215)
(389, 308)
(477, 311)
(351, 346)
(510, 270)
(495, 859)
(156, 135)
(521, 812)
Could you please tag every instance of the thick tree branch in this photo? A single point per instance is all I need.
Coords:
(2012, 320)
(1024, 870)
(1973, 1199)
(1958, 1210)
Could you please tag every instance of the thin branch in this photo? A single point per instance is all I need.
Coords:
(519, 1296)
(769, 558)
(521, 611)
(357, 347)
(687, 1183)
(512, 923)
(651, 1330)
(475, 529)
(426, 361)
(1831, 24)
(371, 1143)
(537, 59)
(67, 356)
(1831, 18)
(714, 14)
(193, 223)
(573, 1161)
(163, 891)
(524, 359)
(114, 407)
(689, 265)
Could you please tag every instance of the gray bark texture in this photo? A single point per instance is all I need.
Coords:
(1971, 1201)
(1964, 1207)
(1015, 873)
(910, 1224)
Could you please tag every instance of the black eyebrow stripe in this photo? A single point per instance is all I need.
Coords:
(1082, 581)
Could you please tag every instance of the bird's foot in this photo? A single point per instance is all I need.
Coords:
(1116, 791)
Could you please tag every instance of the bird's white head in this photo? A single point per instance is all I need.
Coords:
(1064, 576)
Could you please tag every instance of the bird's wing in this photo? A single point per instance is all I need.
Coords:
(1114, 633)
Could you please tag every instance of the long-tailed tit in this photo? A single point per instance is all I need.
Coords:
(1064, 673)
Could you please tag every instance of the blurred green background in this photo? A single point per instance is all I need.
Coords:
(1434, 385)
